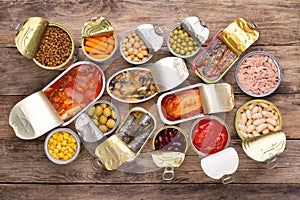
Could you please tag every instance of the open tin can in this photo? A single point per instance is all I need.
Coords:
(138, 46)
(185, 39)
(99, 42)
(212, 63)
(51, 46)
(136, 85)
(210, 138)
(128, 141)
(195, 101)
(259, 124)
(58, 103)
(169, 148)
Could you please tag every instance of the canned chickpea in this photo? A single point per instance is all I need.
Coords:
(62, 146)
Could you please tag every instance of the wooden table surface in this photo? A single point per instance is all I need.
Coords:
(26, 173)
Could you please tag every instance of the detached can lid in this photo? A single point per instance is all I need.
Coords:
(220, 164)
(265, 147)
(96, 26)
(29, 36)
(197, 28)
(149, 35)
(168, 73)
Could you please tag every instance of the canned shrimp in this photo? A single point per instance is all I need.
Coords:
(51, 46)
(258, 74)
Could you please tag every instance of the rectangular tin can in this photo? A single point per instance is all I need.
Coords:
(195, 101)
(224, 50)
(128, 141)
(57, 104)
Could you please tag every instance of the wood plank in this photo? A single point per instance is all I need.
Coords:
(146, 191)
(276, 19)
(21, 76)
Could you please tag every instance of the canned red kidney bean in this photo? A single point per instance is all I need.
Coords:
(55, 47)
(170, 139)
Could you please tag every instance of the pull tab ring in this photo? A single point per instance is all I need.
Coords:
(168, 174)
(227, 179)
(16, 25)
(252, 25)
(96, 165)
(161, 30)
(272, 162)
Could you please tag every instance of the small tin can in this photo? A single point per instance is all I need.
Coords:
(99, 42)
(195, 101)
(100, 119)
(56, 104)
(72, 140)
(259, 124)
(128, 141)
(34, 39)
(224, 50)
(210, 138)
(185, 39)
(169, 148)
(258, 74)
(138, 46)
(136, 85)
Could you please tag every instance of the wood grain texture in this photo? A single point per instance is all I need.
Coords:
(26, 173)
(146, 191)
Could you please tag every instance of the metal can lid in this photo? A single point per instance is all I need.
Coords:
(223, 163)
(149, 35)
(168, 73)
(168, 158)
(96, 26)
(29, 36)
(196, 27)
(264, 147)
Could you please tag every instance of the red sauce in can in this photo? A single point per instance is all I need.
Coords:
(209, 136)
(75, 90)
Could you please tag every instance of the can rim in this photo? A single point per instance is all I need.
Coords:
(202, 155)
(70, 56)
(176, 54)
(274, 59)
(151, 52)
(61, 162)
(241, 108)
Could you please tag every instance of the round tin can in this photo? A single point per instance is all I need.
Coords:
(185, 39)
(30, 35)
(265, 105)
(99, 42)
(218, 139)
(138, 46)
(61, 161)
(270, 67)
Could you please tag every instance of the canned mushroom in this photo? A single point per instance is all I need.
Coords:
(56, 48)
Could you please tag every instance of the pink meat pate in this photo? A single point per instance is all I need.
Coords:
(258, 74)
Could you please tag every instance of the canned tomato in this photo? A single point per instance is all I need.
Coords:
(50, 45)
(99, 42)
